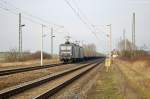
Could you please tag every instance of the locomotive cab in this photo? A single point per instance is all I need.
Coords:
(65, 52)
(70, 52)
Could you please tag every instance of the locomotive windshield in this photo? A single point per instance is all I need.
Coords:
(65, 47)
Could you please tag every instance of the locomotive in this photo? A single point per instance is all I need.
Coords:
(70, 52)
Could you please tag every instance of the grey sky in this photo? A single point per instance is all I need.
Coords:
(99, 12)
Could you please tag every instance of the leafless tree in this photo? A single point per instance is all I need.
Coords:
(89, 50)
(12, 55)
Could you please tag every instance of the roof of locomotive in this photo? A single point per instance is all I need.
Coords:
(67, 44)
(70, 44)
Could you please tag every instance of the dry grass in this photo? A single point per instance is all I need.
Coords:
(27, 63)
(140, 64)
(13, 56)
(137, 58)
(137, 72)
(107, 86)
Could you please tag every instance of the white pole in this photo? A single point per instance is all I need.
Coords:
(20, 35)
(110, 41)
(42, 46)
(125, 40)
(52, 42)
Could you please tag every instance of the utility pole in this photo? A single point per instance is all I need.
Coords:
(20, 36)
(133, 34)
(108, 61)
(124, 38)
(52, 42)
(42, 46)
(110, 40)
(133, 31)
(52, 36)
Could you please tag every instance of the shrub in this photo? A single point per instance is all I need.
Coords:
(13, 56)
(37, 55)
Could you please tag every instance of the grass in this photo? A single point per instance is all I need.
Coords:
(137, 76)
(107, 86)
(28, 63)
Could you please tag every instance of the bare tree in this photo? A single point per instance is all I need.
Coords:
(12, 55)
(131, 50)
(121, 45)
(89, 50)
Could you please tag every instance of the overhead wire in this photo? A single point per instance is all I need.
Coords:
(85, 17)
(78, 15)
(86, 21)
(29, 19)
(81, 12)
(14, 10)
(18, 10)
(34, 19)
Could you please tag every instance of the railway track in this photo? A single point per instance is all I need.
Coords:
(51, 83)
(25, 69)
(18, 70)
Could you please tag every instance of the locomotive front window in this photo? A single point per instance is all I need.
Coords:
(65, 47)
(68, 47)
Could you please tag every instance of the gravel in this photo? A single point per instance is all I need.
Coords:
(14, 79)
(31, 93)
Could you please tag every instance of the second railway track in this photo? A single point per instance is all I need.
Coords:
(24, 69)
(51, 83)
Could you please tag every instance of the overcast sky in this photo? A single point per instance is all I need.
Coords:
(98, 12)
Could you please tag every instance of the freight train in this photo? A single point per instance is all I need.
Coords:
(71, 52)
